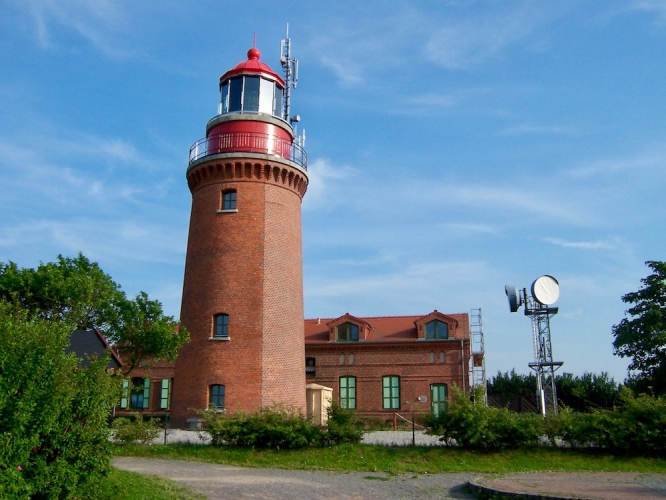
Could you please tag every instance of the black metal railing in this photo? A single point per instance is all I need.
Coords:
(249, 142)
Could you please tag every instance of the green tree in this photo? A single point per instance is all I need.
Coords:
(513, 383)
(77, 291)
(587, 393)
(642, 336)
(54, 439)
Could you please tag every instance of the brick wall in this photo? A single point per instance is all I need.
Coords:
(412, 362)
(247, 265)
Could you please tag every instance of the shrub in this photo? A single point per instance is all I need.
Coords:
(343, 426)
(53, 415)
(469, 423)
(136, 429)
(271, 427)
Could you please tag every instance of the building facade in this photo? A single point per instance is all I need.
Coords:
(243, 287)
(383, 365)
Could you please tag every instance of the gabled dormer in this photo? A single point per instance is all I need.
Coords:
(348, 328)
(436, 326)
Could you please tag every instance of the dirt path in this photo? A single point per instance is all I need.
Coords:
(229, 482)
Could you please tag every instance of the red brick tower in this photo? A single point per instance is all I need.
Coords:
(243, 286)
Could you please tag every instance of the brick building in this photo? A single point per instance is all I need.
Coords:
(243, 285)
(383, 365)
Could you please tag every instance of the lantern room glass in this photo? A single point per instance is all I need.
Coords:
(250, 94)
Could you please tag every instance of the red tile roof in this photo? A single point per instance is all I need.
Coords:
(384, 328)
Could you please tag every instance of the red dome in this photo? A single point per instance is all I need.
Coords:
(252, 66)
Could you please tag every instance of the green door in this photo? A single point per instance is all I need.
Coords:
(438, 393)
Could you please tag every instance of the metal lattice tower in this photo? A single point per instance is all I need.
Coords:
(478, 358)
(543, 365)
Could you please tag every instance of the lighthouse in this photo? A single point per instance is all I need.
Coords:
(243, 285)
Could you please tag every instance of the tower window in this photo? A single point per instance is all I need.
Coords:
(437, 330)
(347, 332)
(216, 397)
(221, 327)
(229, 200)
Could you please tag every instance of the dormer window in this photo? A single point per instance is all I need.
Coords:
(347, 332)
(436, 329)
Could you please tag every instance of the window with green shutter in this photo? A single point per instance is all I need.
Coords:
(348, 392)
(391, 392)
(124, 394)
(165, 395)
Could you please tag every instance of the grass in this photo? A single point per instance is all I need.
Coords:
(133, 486)
(364, 458)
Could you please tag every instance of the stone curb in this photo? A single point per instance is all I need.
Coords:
(488, 492)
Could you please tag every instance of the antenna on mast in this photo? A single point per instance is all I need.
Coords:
(290, 67)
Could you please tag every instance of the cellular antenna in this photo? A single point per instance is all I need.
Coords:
(290, 67)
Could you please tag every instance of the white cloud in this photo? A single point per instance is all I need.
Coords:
(468, 229)
(525, 129)
(101, 22)
(648, 160)
(464, 43)
(321, 174)
(583, 245)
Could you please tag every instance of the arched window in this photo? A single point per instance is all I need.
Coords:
(221, 327)
(437, 329)
(348, 392)
(347, 332)
(216, 397)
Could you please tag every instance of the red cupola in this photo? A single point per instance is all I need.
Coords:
(251, 115)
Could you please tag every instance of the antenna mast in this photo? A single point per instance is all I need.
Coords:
(290, 67)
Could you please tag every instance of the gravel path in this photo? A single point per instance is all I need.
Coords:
(229, 482)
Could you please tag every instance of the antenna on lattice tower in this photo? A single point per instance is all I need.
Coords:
(290, 67)
(545, 292)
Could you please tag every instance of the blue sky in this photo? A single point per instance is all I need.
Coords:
(454, 147)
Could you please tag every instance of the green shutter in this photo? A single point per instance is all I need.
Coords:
(164, 396)
(146, 392)
(123, 394)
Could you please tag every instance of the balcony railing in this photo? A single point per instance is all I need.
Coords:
(249, 142)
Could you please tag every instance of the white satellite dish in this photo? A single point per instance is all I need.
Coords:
(546, 290)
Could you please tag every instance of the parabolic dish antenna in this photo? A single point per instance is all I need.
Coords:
(515, 300)
(546, 290)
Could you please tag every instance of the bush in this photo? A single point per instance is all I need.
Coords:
(53, 415)
(637, 424)
(136, 429)
(343, 426)
(469, 423)
(271, 427)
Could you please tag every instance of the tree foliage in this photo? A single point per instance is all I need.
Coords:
(53, 415)
(642, 336)
(77, 291)
(581, 393)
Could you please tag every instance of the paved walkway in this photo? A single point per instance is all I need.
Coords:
(229, 482)
(593, 485)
